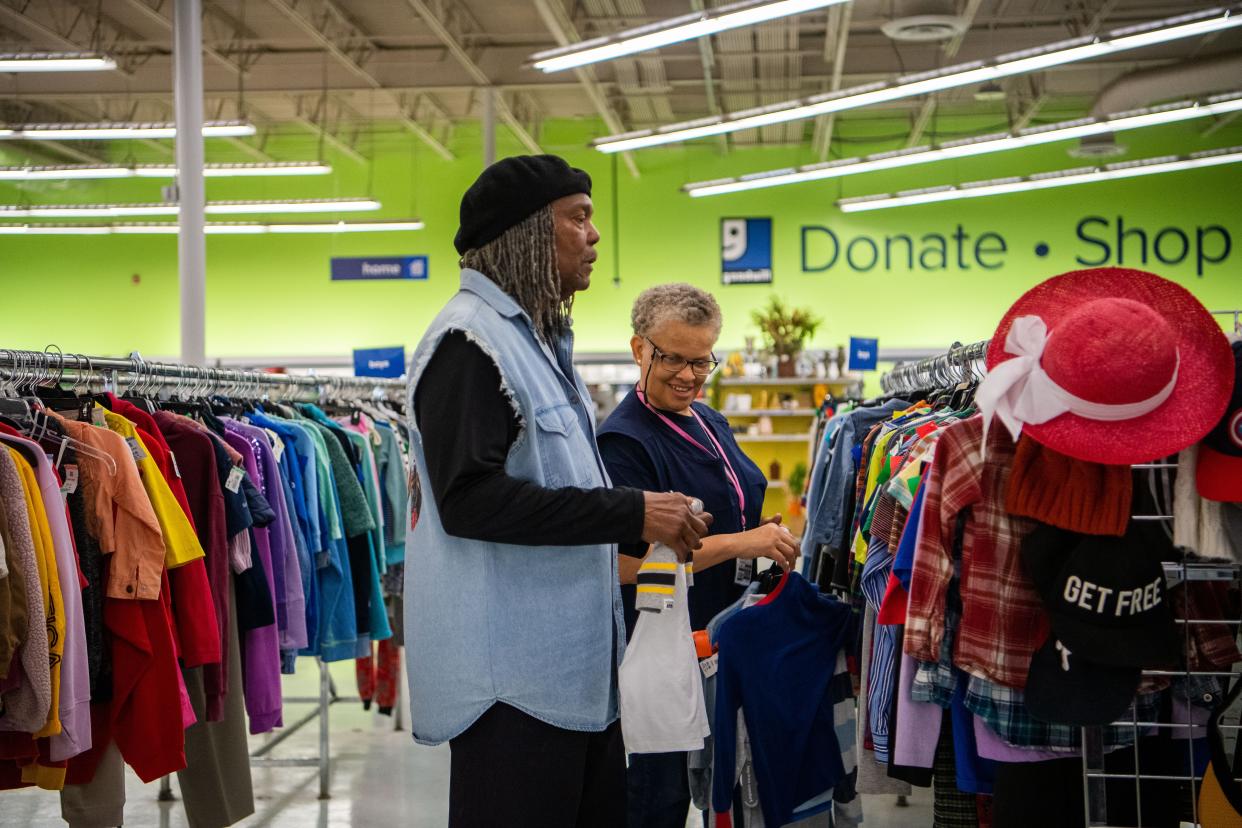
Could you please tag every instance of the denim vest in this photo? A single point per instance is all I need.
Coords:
(540, 629)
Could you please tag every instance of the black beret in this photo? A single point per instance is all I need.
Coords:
(511, 190)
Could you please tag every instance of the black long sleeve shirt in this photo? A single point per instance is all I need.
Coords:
(468, 426)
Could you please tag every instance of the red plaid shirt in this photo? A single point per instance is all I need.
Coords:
(1003, 622)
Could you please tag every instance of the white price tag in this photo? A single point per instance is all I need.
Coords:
(278, 445)
(744, 573)
(135, 448)
(176, 469)
(709, 665)
(669, 603)
(233, 484)
(97, 416)
(70, 484)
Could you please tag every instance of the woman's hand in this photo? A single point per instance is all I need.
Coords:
(770, 540)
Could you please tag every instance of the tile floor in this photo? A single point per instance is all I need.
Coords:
(380, 778)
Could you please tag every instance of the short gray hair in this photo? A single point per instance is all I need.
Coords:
(679, 301)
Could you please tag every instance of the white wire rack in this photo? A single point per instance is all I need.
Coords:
(1095, 776)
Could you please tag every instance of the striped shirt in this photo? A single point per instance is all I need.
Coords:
(657, 578)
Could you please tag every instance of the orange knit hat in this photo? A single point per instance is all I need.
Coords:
(1089, 498)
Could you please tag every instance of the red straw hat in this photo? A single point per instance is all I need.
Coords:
(1108, 365)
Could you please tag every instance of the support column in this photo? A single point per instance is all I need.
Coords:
(191, 195)
(489, 127)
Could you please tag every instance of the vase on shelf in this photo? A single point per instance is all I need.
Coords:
(774, 471)
(786, 366)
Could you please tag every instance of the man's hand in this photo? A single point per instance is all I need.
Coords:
(668, 519)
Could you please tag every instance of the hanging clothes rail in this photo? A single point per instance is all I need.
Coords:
(52, 367)
(954, 365)
(24, 371)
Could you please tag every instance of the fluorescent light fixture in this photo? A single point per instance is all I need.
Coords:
(1194, 24)
(308, 205)
(345, 227)
(52, 230)
(116, 131)
(1044, 181)
(55, 62)
(675, 30)
(217, 228)
(94, 171)
(252, 169)
(982, 145)
(36, 173)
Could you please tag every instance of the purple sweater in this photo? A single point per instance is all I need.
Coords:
(260, 647)
(290, 600)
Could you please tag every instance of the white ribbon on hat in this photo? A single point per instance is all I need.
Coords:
(1020, 392)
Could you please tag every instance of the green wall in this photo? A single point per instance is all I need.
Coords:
(272, 295)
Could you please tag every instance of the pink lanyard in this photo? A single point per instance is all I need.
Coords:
(730, 474)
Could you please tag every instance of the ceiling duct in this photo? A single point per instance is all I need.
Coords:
(924, 21)
(1144, 87)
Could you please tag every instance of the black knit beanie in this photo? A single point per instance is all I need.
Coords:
(509, 191)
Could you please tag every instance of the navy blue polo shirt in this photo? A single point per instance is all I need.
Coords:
(641, 451)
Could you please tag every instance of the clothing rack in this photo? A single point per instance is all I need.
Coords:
(955, 365)
(31, 369)
(27, 370)
(1094, 775)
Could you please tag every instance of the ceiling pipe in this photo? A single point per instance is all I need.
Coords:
(1144, 87)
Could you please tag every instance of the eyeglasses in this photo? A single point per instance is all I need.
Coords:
(675, 364)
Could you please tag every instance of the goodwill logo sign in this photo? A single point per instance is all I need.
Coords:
(746, 251)
(378, 267)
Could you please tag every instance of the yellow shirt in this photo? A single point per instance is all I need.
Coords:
(180, 541)
(49, 578)
(879, 456)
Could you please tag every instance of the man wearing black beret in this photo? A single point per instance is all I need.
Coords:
(513, 618)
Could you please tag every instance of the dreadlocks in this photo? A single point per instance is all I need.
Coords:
(522, 261)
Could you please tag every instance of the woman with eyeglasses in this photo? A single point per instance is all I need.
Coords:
(660, 439)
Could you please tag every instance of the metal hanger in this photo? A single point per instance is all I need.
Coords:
(11, 403)
(32, 371)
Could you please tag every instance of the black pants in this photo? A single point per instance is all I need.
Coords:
(659, 790)
(1045, 794)
(511, 769)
